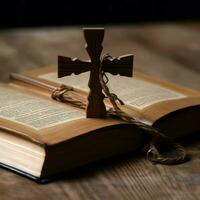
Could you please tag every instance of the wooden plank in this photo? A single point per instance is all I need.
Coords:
(169, 51)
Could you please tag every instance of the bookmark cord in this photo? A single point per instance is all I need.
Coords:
(161, 149)
(62, 94)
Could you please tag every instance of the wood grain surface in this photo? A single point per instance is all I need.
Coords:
(167, 51)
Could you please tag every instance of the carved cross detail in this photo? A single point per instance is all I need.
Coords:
(122, 65)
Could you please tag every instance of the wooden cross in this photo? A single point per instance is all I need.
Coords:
(122, 65)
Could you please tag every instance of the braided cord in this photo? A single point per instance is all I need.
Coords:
(161, 149)
(62, 94)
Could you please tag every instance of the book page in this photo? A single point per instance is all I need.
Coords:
(134, 92)
(34, 112)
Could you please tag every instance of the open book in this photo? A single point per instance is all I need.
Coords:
(40, 137)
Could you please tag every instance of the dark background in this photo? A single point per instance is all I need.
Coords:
(27, 13)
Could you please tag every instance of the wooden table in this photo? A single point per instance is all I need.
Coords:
(167, 51)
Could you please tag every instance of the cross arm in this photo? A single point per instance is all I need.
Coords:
(67, 66)
(122, 65)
